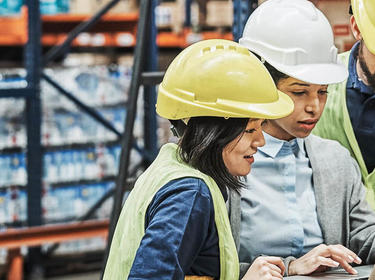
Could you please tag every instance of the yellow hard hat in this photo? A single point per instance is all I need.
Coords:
(364, 14)
(219, 78)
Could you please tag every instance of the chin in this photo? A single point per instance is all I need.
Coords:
(300, 134)
(244, 172)
(304, 134)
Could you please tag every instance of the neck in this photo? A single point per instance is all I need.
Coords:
(276, 131)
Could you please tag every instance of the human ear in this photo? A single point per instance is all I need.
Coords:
(356, 33)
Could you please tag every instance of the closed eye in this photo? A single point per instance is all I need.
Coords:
(251, 130)
(298, 92)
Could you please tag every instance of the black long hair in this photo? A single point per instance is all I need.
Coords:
(276, 75)
(202, 143)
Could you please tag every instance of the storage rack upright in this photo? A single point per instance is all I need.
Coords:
(31, 93)
(34, 63)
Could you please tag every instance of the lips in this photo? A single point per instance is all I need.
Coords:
(308, 124)
(309, 121)
(249, 158)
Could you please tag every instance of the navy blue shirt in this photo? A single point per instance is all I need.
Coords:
(180, 234)
(360, 100)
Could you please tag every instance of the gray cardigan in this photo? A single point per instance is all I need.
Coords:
(343, 213)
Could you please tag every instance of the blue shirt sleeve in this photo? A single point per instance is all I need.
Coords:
(178, 221)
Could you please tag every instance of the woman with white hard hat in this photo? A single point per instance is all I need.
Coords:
(304, 200)
(175, 222)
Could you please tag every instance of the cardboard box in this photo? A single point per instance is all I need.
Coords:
(81, 6)
(168, 14)
(219, 13)
(123, 6)
(93, 6)
(172, 15)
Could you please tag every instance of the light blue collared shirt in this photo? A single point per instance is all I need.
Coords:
(278, 207)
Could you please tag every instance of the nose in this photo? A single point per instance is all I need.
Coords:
(312, 105)
(258, 140)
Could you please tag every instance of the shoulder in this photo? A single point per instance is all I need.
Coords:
(332, 162)
(327, 155)
(326, 147)
(344, 54)
(334, 90)
(183, 189)
(325, 144)
(186, 184)
(182, 197)
(344, 57)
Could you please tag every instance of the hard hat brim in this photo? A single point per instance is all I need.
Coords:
(320, 74)
(170, 106)
(366, 26)
(275, 110)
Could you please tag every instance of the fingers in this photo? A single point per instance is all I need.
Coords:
(322, 261)
(265, 268)
(348, 268)
(276, 262)
(270, 271)
(344, 256)
(275, 268)
(275, 274)
(325, 256)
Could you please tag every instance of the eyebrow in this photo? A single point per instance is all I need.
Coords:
(299, 84)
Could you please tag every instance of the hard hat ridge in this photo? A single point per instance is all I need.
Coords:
(295, 38)
(364, 14)
(219, 78)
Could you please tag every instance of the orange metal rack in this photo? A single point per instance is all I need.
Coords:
(113, 30)
(14, 239)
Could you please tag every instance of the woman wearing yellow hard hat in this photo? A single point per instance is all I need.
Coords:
(175, 222)
(307, 189)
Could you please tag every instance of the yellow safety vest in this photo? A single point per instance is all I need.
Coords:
(130, 227)
(335, 124)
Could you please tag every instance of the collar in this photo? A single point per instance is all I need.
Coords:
(353, 79)
(273, 145)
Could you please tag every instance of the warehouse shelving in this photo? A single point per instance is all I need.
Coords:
(112, 30)
(14, 29)
(36, 236)
(187, 37)
(34, 62)
(31, 93)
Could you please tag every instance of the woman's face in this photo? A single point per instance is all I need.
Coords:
(238, 154)
(309, 101)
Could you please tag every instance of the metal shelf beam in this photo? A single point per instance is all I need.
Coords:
(16, 92)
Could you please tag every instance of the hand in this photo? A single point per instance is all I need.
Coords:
(265, 268)
(322, 257)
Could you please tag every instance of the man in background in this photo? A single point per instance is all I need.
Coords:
(349, 115)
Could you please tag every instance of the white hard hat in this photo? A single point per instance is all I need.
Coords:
(295, 38)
